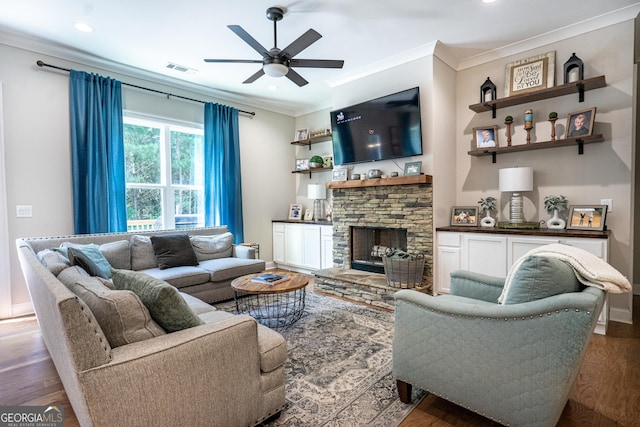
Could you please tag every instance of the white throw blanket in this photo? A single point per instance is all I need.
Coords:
(590, 270)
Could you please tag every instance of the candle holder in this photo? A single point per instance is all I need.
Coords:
(528, 123)
(553, 128)
(508, 124)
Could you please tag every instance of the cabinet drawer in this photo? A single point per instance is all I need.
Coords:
(449, 239)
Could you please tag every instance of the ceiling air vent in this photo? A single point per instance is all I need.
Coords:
(180, 68)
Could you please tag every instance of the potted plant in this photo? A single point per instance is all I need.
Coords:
(555, 204)
(488, 205)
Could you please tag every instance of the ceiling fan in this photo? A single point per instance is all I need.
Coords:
(276, 62)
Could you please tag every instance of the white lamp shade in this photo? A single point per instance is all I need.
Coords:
(516, 179)
(316, 191)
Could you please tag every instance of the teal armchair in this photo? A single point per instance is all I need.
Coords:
(514, 363)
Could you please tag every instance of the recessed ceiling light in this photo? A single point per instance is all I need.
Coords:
(272, 87)
(81, 26)
(488, 1)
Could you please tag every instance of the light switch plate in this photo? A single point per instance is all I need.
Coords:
(609, 203)
(24, 211)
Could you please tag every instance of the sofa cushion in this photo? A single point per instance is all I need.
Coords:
(163, 300)
(117, 253)
(230, 268)
(142, 254)
(540, 277)
(197, 305)
(69, 274)
(53, 260)
(212, 247)
(121, 315)
(179, 276)
(90, 259)
(173, 250)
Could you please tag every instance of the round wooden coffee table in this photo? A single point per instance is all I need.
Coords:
(276, 306)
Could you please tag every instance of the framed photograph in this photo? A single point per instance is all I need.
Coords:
(531, 74)
(580, 123)
(308, 214)
(466, 216)
(295, 211)
(412, 168)
(302, 164)
(485, 137)
(302, 134)
(340, 174)
(587, 217)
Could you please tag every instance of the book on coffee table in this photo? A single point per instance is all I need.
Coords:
(270, 279)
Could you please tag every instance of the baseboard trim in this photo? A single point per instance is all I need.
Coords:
(21, 309)
(621, 315)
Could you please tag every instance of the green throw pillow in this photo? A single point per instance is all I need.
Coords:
(90, 259)
(163, 301)
(541, 277)
(173, 250)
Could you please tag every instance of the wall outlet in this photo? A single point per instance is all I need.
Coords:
(24, 211)
(609, 203)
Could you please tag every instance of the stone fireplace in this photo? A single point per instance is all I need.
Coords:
(403, 203)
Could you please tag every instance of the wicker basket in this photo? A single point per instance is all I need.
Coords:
(404, 273)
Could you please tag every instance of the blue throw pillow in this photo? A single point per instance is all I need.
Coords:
(541, 277)
(90, 259)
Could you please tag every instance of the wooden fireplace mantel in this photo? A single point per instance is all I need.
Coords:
(380, 182)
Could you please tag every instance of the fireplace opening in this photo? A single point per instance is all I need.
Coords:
(368, 244)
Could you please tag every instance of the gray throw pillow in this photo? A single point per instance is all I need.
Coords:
(173, 250)
(91, 259)
(163, 301)
(541, 277)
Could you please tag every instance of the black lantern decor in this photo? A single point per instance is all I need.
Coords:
(487, 88)
(570, 66)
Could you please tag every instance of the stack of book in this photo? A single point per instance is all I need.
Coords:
(270, 279)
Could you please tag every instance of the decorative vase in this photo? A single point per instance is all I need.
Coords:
(556, 222)
(487, 221)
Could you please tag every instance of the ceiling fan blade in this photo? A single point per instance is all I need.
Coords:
(255, 77)
(300, 44)
(296, 78)
(317, 63)
(235, 61)
(264, 52)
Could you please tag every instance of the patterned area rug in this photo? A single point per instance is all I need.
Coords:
(339, 367)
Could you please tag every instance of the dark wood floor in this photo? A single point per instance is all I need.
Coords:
(607, 391)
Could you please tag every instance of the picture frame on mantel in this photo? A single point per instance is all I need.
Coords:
(530, 74)
(464, 216)
(587, 217)
(412, 168)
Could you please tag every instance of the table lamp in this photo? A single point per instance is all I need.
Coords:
(317, 192)
(516, 180)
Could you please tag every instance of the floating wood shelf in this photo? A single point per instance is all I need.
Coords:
(311, 170)
(379, 182)
(311, 141)
(577, 141)
(578, 87)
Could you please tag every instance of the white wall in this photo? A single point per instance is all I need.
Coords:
(604, 171)
(38, 165)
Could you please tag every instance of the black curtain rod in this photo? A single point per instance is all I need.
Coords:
(43, 64)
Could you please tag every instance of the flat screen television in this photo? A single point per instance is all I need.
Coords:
(383, 128)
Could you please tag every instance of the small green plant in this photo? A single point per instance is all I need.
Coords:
(551, 203)
(316, 159)
(488, 204)
(553, 115)
(508, 119)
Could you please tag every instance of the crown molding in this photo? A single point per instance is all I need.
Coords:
(586, 26)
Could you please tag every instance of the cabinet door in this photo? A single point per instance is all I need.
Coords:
(293, 244)
(518, 246)
(278, 242)
(485, 254)
(326, 236)
(448, 261)
(311, 246)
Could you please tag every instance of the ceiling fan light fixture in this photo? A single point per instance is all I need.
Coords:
(275, 70)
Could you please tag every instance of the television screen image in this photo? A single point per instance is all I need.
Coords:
(388, 127)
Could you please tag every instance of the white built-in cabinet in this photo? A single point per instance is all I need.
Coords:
(493, 253)
(304, 246)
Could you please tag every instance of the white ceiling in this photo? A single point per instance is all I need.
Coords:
(146, 35)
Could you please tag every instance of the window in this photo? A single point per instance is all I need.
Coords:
(164, 174)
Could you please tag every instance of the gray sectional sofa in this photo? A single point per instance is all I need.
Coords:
(175, 360)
